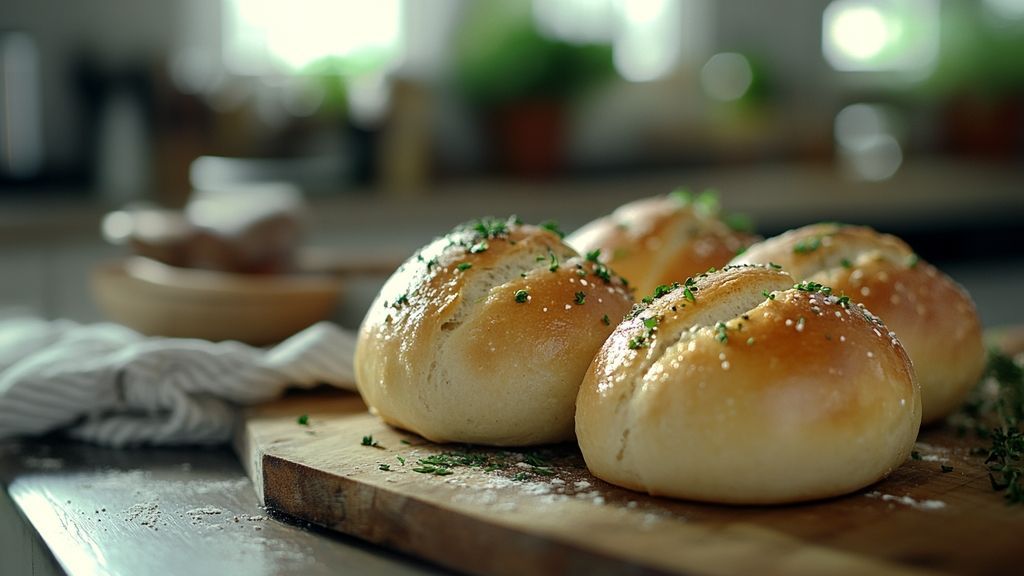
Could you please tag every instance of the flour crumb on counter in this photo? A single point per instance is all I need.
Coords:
(145, 514)
(907, 501)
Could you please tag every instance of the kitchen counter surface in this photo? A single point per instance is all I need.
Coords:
(73, 508)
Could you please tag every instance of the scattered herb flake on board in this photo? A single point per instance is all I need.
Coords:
(384, 467)
(401, 460)
(303, 420)
(464, 266)
(369, 441)
(581, 297)
(945, 469)
(522, 296)
(995, 412)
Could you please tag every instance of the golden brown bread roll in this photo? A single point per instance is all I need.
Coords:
(485, 334)
(932, 316)
(660, 240)
(739, 388)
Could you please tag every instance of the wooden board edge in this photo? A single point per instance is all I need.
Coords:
(422, 529)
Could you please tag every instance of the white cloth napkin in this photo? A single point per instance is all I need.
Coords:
(110, 385)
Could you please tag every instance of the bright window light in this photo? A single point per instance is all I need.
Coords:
(859, 32)
(881, 35)
(265, 36)
(648, 45)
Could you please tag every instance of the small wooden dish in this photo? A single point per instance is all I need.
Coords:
(161, 300)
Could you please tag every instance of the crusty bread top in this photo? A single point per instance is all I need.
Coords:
(740, 371)
(485, 334)
(660, 240)
(932, 315)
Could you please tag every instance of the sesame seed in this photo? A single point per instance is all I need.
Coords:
(545, 308)
(842, 338)
(839, 314)
(725, 365)
(568, 307)
(789, 322)
(877, 333)
(721, 356)
(871, 354)
(583, 282)
(865, 291)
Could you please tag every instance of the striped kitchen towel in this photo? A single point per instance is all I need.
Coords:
(106, 384)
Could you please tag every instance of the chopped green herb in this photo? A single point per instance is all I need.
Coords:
(688, 294)
(845, 263)
(369, 441)
(750, 341)
(915, 455)
(581, 297)
(912, 261)
(602, 272)
(594, 255)
(479, 247)
(807, 245)
(844, 301)
(384, 467)
(664, 289)
(553, 262)
(774, 265)
(813, 287)
(431, 263)
(768, 295)
(519, 477)
(522, 296)
(552, 226)
(945, 469)
(740, 222)
(406, 442)
(400, 460)
(462, 267)
(720, 333)
(740, 250)
(402, 299)
(303, 420)
(682, 195)
(605, 320)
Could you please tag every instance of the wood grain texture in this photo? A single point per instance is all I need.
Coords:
(86, 510)
(920, 520)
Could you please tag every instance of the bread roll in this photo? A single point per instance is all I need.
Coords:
(740, 388)
(931, 315)
(485, 334)
(661, 240)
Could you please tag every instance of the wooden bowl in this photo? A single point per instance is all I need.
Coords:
(161, 300)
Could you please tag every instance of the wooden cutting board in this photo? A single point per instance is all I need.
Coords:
(512, 518)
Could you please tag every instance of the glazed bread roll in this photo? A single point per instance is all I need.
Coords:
(741, 388)
(932, 316)
(661, 240)
(484, 336)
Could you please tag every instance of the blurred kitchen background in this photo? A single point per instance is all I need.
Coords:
(395, 119)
